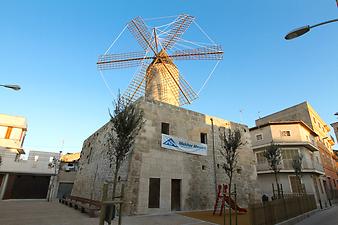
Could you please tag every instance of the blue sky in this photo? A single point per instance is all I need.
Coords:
(50, 48)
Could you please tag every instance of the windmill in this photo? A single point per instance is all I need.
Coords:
(158, 77)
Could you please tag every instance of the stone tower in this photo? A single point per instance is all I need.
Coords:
(160, 85)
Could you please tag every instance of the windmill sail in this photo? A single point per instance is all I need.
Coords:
(158, 77)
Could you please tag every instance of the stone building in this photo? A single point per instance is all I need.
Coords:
(172, 166)
(67, 169)
(305, 112)
(294, 138)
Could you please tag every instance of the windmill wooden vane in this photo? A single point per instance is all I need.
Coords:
(159, 78)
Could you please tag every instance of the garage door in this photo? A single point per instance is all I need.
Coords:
(27, 187)
(65, 189)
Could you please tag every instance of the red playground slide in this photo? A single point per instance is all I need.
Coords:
(231, 203)
(225, 198)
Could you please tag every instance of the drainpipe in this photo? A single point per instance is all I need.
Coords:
(213, 155)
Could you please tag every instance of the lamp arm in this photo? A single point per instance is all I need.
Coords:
(323, 23)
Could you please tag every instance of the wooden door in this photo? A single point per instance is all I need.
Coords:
(176, 194)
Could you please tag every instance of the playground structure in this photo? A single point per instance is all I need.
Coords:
(225, 197)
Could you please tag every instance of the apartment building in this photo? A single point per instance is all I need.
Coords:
(294, 138)
(305, 112)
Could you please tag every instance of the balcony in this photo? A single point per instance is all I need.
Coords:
(286, 166)
(310, 145)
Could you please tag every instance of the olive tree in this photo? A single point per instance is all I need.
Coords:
(231, 141)
(274, 157)
(126, 122)
(297, 166)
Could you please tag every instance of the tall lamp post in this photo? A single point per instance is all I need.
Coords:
(302, 30)
(14, 87)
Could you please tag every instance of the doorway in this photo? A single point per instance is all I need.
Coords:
(176, 194)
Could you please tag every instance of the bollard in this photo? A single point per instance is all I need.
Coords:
(235, 192)
(103, 207)
(120, 210)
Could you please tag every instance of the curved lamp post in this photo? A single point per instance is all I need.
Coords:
(11, 86)
(302, 30)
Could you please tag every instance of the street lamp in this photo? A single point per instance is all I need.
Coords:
(11, 86)
(302, 30)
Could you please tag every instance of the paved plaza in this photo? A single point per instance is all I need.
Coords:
(53, 213)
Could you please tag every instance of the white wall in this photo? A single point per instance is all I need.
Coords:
(32, 166)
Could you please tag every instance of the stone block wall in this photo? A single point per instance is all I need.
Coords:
(150, 160)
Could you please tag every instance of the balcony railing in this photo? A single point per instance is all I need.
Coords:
(286, 164)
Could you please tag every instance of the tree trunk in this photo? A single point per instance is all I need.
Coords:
(230, 182)
(117, 168)
(278, 191)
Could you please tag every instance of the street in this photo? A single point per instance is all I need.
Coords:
(324, 217)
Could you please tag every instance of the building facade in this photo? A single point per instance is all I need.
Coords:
(25, 178)
(294, 138)
(68, 167)
(21, 178)
(305, 112)
(171, 167)
(12, 132)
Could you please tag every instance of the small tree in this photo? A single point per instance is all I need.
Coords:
(231, 142)
(127, 121)
(273, 154)
(297, 166)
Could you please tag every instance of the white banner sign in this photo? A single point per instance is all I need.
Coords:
(178, 144)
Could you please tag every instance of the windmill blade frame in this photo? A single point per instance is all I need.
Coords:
(121, 60)
(140, 31)
(136, 88)
(213, 52)
(177, 29)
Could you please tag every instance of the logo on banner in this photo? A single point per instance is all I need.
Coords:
(183, 145)
(170, 142)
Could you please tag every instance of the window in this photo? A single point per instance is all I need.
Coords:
(204, 138)
(8, 133)
(16, 134)
(296, 185)
(203, 167)
(314, 120)
(259, 137)
(3, 131)
(165, 128)
(261, 158)
(154, 193)
(289, 153)
(285, 133)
